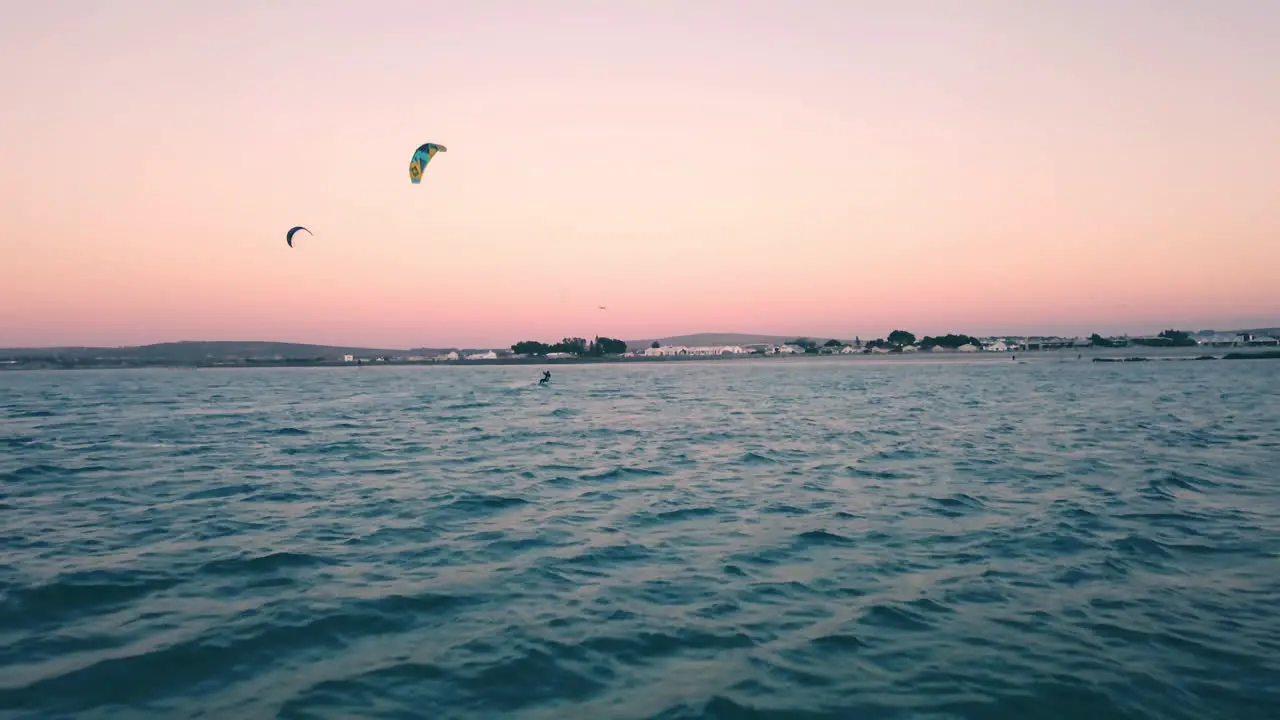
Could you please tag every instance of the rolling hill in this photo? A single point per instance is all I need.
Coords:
(198, 351)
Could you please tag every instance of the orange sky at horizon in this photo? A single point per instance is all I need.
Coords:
(821, 168)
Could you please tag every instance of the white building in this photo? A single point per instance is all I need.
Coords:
(491, 355)
(700, 350)
(348, 358)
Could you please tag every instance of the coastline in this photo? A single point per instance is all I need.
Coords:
(1095, 355)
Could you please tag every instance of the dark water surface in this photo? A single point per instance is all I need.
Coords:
(799, 539)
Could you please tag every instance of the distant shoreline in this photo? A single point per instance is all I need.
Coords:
(1112, 356)
(115, 364)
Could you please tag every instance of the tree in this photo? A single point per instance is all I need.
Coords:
(655, 345)
(951, 341)
(606, 346)
(573, 346)
(1178, 338)
(1096, 340)
(833, 343)
(530, 347)
(902, 338)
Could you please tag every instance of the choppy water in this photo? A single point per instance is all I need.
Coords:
(808, 539)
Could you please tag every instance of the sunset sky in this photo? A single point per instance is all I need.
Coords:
(802, 167)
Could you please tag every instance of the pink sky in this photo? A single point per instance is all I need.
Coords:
(842, 167)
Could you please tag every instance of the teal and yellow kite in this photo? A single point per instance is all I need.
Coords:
(421, 157)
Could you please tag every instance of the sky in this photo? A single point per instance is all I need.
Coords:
(827, 168)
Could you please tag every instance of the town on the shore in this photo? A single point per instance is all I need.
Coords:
(198, 354)
(898, 341)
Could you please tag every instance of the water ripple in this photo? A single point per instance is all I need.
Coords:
(834, 539)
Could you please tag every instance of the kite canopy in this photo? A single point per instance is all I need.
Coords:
(289, 235)
(421, 157)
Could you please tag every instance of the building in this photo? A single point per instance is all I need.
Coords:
(699, 350)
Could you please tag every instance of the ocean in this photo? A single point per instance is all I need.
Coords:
(861, 538)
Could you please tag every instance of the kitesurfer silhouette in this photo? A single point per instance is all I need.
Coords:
(546, 377)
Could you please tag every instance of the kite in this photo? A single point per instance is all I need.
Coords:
(289, 235)
(421, 157)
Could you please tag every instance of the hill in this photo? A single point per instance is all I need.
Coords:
(198, 351)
